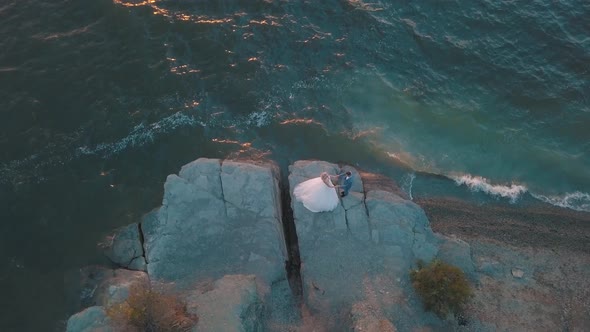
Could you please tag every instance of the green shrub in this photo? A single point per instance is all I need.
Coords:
(443, 288)
(151, 311)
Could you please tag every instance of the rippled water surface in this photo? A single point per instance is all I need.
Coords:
(99, 100)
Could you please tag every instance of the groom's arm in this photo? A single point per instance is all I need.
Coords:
(335, 177)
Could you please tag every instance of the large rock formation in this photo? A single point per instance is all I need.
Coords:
(218, 236)
(100, 288)
(217, 218)
(367, 243)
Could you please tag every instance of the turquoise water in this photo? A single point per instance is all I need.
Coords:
(100, 100)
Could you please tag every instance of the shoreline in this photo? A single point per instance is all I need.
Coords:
(538, 225)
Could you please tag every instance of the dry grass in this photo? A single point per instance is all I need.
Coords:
(150, 310)
(443, 288)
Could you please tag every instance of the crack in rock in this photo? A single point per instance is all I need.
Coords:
(142, 242)
(221, 185)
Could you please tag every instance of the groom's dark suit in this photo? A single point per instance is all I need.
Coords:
(345, 182)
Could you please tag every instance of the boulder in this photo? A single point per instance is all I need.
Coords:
(93, 319)
(217, 218)
(457, 252)
(249, 188)
(115, 288)
(517, 273)
(124, 248)
(100, 286)
(402, 223)
(376, 235)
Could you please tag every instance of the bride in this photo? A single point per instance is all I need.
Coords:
(317, 194)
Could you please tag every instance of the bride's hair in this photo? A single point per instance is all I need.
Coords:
(326, 178)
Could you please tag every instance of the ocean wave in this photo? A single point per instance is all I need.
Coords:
(143, 134)
(259, 119)
(577, 200)
(478, 183)
(407, 182)
(32, 167)
(140, 135)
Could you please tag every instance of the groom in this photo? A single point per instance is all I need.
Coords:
(345, 181)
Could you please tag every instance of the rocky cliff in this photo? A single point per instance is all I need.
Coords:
(224, 233)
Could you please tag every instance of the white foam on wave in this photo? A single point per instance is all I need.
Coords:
(393, 156)
(140, 135)
(478, 183)
(577, 200)
(407, 182)
(259, 119)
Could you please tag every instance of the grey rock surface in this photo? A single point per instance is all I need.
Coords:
(93, 319)
(219, 234)
(232, 303)
(115, 288)
(125, 249)
(368, 242)
(217, 218)
(101, 286)
(395, 221)
(251, 189)
(457, 252)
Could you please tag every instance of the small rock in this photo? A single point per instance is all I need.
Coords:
(125, 249)
(517, 273)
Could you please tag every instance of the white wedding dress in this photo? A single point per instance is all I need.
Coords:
(316, 196)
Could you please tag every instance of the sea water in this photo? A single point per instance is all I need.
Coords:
(100, 100)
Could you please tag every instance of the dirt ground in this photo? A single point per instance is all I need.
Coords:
(539, 226)
(533, 263)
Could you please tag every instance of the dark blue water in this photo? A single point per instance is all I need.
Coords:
(99, 100)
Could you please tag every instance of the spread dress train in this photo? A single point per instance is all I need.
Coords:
(316, 196)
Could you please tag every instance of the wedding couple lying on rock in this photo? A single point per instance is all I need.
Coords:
(320, 194)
